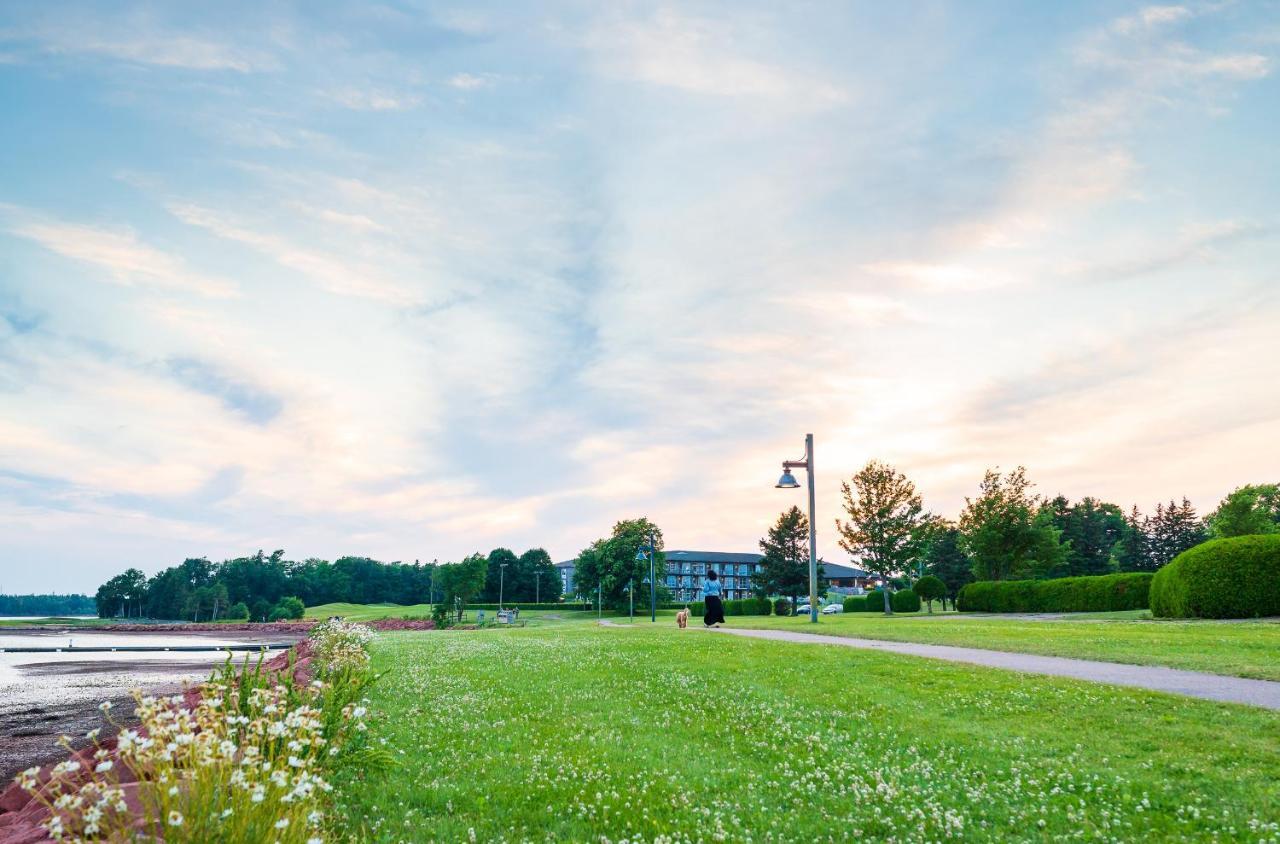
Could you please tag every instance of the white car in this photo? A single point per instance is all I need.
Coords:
(832, 609)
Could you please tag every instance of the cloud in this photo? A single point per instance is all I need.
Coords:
(701, 56)
(470, 81)
(238, 395)
(137, 40)
(363, 99)
(330, 271)
(127, 260)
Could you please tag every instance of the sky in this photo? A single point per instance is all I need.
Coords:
(414, 280)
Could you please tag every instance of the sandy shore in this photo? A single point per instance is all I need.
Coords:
(45, 696)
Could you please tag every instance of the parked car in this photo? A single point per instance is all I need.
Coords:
(803, 609)
(832, 609)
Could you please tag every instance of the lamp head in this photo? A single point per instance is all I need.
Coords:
(787, 481)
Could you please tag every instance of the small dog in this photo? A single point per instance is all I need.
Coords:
(682, 618)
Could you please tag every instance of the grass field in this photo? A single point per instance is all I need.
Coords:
(368, 612)
(578, 733)
(1242, 649)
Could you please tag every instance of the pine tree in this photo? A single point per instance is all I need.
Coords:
(785, 567)
(1132, 551)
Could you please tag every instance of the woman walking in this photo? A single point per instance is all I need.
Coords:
(714, 611)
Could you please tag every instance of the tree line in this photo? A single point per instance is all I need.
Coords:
(46, 605)
(1005, 532)
(264, 587)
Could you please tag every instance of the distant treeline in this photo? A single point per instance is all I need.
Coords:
(47, 605)
(264, 586)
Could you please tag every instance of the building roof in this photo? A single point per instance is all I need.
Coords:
(567, 564)
(712, 557)
(835, 570)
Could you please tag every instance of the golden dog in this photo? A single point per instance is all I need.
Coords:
(682, 618)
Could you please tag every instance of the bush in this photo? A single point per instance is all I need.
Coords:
(733, 607)
(1102, 593)
(1238, 577)
(697, 609)
(855, 603)
(875, 601)
(758, 606)
(288, 609)
(239, 612)
(930, 589)
(782, 606)
(905, 600)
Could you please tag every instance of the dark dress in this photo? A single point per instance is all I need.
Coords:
(714, 612)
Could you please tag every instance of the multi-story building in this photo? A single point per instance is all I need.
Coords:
(687, 569)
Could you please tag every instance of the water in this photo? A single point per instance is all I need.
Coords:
(43, 695)
(34, 678)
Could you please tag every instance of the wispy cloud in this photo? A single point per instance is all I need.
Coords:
(369, 99)
(122, 255)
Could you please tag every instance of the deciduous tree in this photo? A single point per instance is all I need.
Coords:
(1006, 532)
(887, 524)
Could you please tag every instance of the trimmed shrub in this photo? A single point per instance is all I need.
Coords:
(782, 606)
(905, 600)
(697, 609)
(1101, 593)
(733, 607)
(930, 589)
(855, 603)
(758, 606)
(1237, 577)
(875, 601)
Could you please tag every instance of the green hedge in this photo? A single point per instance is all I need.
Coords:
(875, 601)
(904, 600)
(697, 609)
(733, 607)
(1102, 593)
(1238, 577)
(757, 606)
(855, 603)
(782, 606)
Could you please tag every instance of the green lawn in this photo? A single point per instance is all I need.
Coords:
(369, 612)
(1243, 649)
(580, 733)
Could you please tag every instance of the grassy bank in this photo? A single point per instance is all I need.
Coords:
(577, 732)
(1242, 649)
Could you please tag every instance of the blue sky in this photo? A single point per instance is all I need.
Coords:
(413, 280)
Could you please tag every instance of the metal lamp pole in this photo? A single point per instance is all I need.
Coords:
(502, 574)
(788, 481)
(653, 581)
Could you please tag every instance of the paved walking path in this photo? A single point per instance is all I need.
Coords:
(1264, 693)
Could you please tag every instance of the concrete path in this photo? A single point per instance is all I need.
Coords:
(1264, 693)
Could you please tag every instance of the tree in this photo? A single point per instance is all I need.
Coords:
(1250, 509)
(1171, 531)
(1089, 530)
(785, 567)
(459, 583)
(289, 608)
(496, 581)
(122, 595)
(238, 612)
(930, 589)
(945, 558)
(539, 580)
(1131, 551)
(887, 524)
(609, 567)
(1005, 531)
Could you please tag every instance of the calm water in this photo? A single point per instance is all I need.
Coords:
(37, 679)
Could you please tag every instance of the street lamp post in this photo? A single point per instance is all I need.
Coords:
(502, 573)
(651, 551)
(537, 587)
(788, 481)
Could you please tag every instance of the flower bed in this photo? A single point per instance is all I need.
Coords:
(245, 757)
